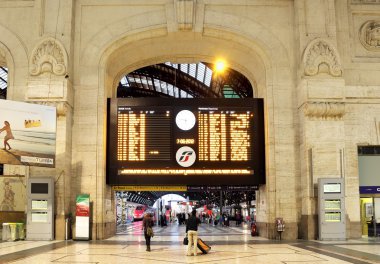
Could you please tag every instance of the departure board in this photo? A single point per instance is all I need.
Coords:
(184, 141)
(224, 135)
(135, 142)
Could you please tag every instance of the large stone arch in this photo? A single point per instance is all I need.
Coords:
(16, 60)
(256, 53)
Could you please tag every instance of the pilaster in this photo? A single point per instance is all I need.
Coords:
(49, 84)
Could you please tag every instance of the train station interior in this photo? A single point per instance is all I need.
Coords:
(261, 117)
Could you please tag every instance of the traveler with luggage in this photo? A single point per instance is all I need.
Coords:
(192, 232)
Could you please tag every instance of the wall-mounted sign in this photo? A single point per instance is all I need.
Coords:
(28, 132)
(186, 141)
(369, 189)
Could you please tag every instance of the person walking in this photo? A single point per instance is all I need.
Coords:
(192, 232)
(148, 231)
(8, 135)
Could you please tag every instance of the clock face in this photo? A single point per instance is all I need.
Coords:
(185, 120)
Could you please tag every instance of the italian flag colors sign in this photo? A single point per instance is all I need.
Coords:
(83, 205)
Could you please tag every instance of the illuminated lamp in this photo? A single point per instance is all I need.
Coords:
(220, 66)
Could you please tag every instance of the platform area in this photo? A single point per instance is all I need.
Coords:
(229, 245)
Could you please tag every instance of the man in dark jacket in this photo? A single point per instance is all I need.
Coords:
(147, 223)
(192, 232)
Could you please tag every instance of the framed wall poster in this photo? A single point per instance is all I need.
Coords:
(12, 193)
(27, 134)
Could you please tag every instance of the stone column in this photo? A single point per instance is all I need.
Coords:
(49, 84)
(321, 107)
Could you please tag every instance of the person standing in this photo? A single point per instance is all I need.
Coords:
(192, 232)
(147, 223)
(8, 135)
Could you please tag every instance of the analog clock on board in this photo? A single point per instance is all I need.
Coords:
(185, 120)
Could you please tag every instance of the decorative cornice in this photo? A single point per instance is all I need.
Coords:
(324, 110)
(185, 11)
(320, 52)
(48, 56)
(369, 35)
(61, 107)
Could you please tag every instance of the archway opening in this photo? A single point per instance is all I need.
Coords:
(184, 80)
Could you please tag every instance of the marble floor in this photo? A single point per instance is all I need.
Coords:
(228, 245)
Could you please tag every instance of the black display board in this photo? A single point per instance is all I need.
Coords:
(185, 141)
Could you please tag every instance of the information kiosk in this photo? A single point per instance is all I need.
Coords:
(332, 222)
(40, 213)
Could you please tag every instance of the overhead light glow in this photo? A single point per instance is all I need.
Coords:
(220, 66)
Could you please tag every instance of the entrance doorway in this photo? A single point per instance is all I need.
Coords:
(223, 212)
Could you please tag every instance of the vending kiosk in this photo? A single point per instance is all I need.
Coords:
(332, 220)
(40, 213)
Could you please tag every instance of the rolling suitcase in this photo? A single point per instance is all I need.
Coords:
(203, 246)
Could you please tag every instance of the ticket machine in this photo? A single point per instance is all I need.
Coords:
(40, 213)
(332, 213)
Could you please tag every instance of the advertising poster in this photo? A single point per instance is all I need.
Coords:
(27, 134)
(12, 193)
(83, 205)
(82, 219)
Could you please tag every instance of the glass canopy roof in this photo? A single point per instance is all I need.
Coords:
(3, 82)
(3, 78)
(194, 80)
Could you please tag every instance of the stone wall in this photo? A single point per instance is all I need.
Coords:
(314, 62)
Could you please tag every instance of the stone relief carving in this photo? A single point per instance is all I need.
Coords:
(185, 14)
(320, 55)
(370, 35)
(48, 56)
(324, 110)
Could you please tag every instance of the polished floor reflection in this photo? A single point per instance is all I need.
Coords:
(229, 245)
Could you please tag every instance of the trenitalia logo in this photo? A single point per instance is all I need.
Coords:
(185, 156)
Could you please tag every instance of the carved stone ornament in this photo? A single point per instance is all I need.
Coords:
(370, 35)
(320, 55)
(324, 110)
(48, 56)
(185, 14)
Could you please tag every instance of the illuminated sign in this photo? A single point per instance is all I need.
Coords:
(369, 189)
(185, 156)
(222, 139)
(140, 188)
(185, 141)
(185, 172)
